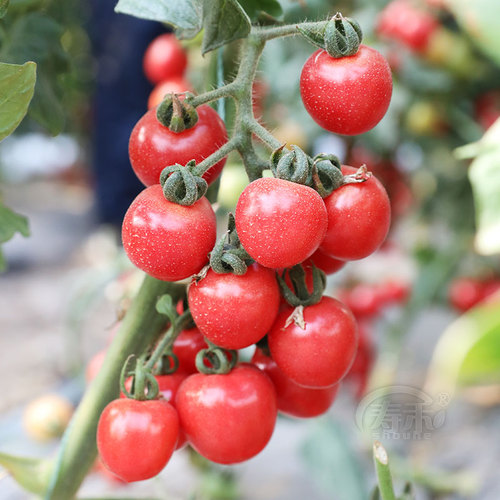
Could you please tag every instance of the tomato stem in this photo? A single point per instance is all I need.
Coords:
(139, 329)
(383, 470)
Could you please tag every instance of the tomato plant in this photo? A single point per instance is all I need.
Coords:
(152, 146)
(164, 58)
(347, 95)
(137, 438)
(168, 241)
(228, 418)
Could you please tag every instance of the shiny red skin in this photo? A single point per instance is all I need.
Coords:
(168, 241)
(346, 95)
(293, 399)
(323, 261)
(164, 58)
(362, 299)
(280, 223)
(320, 355)
(186, 347)
(136, 439)
(152, 146)
(400, 20)
(174, 85)
(235, 311)
(359, 216)
(228, 418)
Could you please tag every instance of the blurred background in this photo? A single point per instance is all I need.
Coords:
(427, 301)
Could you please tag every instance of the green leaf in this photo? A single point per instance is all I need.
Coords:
(468, 352)
(30, 473)
(184, 15)
(12, 223)
(255, 7)
(17, 84)
(35, 37)
(330, 459)
(480, 20)
(166, 306)
(484, 175)
(4, 5)
(223, 22)
(46, 107)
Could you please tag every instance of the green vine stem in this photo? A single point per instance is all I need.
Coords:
(140, 327)
(384, 477)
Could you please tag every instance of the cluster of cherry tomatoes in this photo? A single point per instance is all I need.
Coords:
(302, 352)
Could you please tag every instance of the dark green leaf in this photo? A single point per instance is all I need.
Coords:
(4, 5)
(34, 36)
(254, 7)
(185, 15)
(223, 22)
(46, 107)
(332, 463)
(17, 84)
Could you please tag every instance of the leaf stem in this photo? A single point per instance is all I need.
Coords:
(269, 33)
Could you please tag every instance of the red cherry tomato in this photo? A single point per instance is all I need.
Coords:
(168, 241)
(136, 439)
(320, 355)
(393, 292)
(164, 58)
(235, 311)
(412, 26)
(346, 95)
(228, 418)
(168, 386)
(359, 216)
(487, 108)
(293, 399)
(323, 261)
(465, 293)
(186, 347)
(175, 85)
(152, 147)
(280, 223)
(362, 299)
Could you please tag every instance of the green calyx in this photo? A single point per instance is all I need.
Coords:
(180, 185)
(326, 174)
(215, 360)
(340, 36)
(322, 173)
(298, 294)
(144, 385)
(228, 256)
(175, 114)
